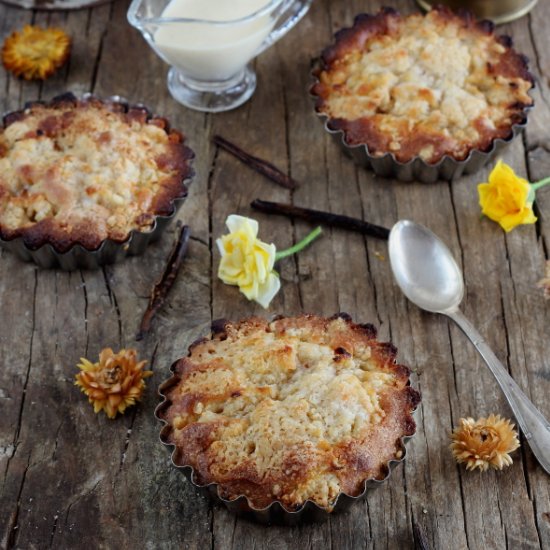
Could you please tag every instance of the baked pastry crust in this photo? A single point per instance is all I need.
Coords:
(427, 86)
(80, 171)
(298, 409)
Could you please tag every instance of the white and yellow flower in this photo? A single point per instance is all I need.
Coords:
(248, 262)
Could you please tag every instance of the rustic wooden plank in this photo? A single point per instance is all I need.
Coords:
(109, 491)
(527, 263)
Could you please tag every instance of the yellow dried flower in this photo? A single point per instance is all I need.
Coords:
(113, 384)
(545, 283)
(485, 442)
(35, 53)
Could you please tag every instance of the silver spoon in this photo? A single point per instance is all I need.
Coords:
(428, 275)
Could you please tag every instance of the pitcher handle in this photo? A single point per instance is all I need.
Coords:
(291, 12)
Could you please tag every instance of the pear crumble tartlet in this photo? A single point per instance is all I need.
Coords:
(81, 171)
(422, 86)
(297, 410)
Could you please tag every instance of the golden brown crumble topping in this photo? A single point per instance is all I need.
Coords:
(81, 171)
(422, 86)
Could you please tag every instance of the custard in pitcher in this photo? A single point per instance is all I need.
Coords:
(220, 39)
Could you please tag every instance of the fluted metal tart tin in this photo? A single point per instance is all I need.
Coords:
(110, 251)
(275, 513)
(78, 257)
(447, 169)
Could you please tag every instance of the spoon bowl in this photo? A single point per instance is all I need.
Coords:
(428, 275)
(424, 268)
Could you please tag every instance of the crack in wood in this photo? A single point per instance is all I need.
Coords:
(209, 187)
(199, 240)
(524, 462)
(13, 528)
(127, 440)
(408, 503)
(506, 337)
(292, 196)
(56, 440)
(85, 312)
(544, 247)
(531, 148)
(54, 529)
(211, 526)
(291, 192)
(88, 22)
(329, 529)
(129, 431)
(455, 219)
(95, 483)
(26, 382)
(537, 526)
(419, 537)
(369, 520)
(463, 503)
(453, 365)
(502, 524)
(458, 468)
(367, 255)
(233, 531)
(97, 59)
(114, 302)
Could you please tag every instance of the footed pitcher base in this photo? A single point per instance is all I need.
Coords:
(212, 97)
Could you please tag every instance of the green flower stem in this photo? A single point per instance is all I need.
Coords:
(299, 246)
(539, 184)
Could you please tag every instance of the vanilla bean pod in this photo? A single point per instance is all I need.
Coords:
(320, 217)
(165, 283)
(259, 165)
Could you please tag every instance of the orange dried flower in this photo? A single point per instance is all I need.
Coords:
(113, 384)
(545, 283)
(485, 442)
(35, 53)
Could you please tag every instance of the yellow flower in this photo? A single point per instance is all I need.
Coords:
(115, 382)
(485, 442)
(507, 198)
(248, 262)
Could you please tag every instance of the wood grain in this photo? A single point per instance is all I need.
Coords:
(71, 479)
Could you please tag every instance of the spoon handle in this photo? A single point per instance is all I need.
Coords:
(534, 426)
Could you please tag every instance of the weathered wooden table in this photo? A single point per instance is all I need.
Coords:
(72, 479)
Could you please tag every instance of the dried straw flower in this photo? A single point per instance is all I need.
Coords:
(35, 53)
(485, 442)
(113, 384)
(545, 283)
